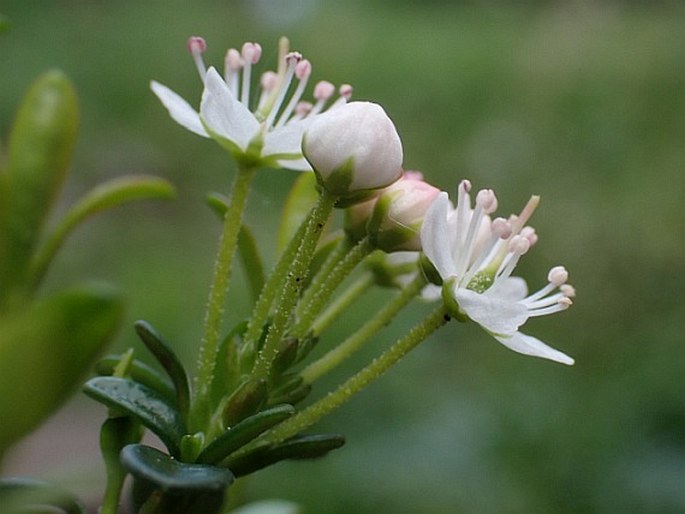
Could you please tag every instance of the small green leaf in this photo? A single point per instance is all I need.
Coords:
(244, 432)
(45, 351)
(247, 399)
(301, 198)
(112, 193)
(142, 403)
(182, 487)
(299, 447)
(139, 372)
(25, 495)
(38, 156)
(226, 373)
(171, 364)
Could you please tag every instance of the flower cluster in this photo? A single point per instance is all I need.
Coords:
(241, 410)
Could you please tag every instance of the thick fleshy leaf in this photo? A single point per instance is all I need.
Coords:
(224, 115)
(529, 345)
(24, 495)
(188, 488)
(38, 157)
(142, 403)
(105, 196)
(494, 314)
(179, 110)
(140, 372)
(169, 361)
(45, 351)
(435, 237)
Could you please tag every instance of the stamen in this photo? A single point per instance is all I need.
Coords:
(196, 47)
(557, 276)
(291, 60)
(501, 230)
(463, 207)
(323, 91)
(530, 234)
(563, 304)
(526, 213)
(485, 200)
(268, 83)
(568, 291)
(303, 71)
(518, 246)
(302, 110)
(233, 62)
(251, 53)
(345, 92)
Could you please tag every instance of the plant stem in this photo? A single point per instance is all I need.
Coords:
(349, 388)
(342, 302)
(295, 278)
(218, 289)
(322, 289)
(345, 349)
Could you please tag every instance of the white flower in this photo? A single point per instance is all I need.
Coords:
(265, 132)
(475, 257)
(354, 148)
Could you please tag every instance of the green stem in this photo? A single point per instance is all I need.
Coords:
(295, 278)
(334, 257)
(312, 414)
(273, 285)
(342, 302)
(345, 349)
(218, 289)
(323, 289)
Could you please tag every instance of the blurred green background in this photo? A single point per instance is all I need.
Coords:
(580, 102)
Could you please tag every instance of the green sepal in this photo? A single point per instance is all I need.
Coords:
(45, 351)
(292, 390)
(191, 446)
(26, 495)
(110, 194)
(306, 345)
(301, 198)
(248, 398)
(142, 403)
(450, 302)
(139, 372)
(299, 447)
(287, 353)
(244, 432)
(174, 486)
(39, 152)
(169, 361)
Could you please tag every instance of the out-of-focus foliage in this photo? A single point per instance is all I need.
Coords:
(583, 103)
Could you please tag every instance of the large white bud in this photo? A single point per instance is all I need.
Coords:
(353, 148)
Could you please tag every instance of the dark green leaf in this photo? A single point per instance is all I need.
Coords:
(299, 447)
(139, 372)
(184, 487)
(141, 402)
(171, 364)
(244, 432)
(226, 372)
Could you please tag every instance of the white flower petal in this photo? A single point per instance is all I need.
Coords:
(496, 315)
(179, 110)
(435, 237)
(529, 345)
(300, 164)
(286, 140)
(224, 115)
(511, 288)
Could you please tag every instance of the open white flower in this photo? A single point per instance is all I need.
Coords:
(475, 257)
(264, 132)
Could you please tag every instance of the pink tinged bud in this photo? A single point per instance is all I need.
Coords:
(323, 90)
(412, 175)
(399, 213)
(354, 148)
(557, 276)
